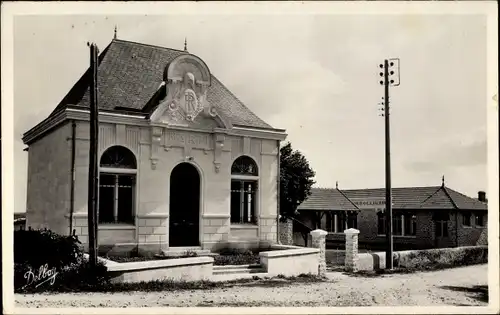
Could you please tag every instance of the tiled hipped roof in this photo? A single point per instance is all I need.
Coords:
(129, 75)
(327, 199)
(432, 198)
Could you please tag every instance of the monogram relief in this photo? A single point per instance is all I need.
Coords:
(187, 79)
(188, 99)
(189, 96)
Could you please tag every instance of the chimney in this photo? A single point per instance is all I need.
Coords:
(481, 196)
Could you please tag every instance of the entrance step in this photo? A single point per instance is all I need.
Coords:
(238, 269)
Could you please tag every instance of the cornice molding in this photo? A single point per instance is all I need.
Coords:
(43, 127)
(140, 120)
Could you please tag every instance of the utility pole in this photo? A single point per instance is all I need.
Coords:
(93, 189)
(390, 78)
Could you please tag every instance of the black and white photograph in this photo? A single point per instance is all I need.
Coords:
(296, 157)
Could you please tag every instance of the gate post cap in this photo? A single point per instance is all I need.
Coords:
(351, 231)
(318, 233)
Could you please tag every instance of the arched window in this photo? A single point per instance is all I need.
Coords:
(119, 157)
(117, 177)
(244, 180)
(244, 165)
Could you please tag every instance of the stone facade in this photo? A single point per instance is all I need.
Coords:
(49, 178)
(152, 203)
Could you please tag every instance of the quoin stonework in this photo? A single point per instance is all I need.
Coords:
(183, 163)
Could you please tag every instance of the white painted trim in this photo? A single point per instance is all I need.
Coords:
(245, 177)
(106, 113)
(272, 131)
(112, 170)
(78, 114)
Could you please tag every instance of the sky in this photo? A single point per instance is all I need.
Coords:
(317, 76)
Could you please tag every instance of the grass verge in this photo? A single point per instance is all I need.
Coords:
(170, 285)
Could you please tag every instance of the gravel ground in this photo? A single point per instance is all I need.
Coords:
(458, 286)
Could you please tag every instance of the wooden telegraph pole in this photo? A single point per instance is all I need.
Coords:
(390, 78)
(93, 189)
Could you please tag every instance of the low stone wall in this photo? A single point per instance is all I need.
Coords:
(423, 259)
(290, 260)
(183, 269)
(371, 261)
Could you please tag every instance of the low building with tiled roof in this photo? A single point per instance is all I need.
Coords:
(183, 162)
(423, 217)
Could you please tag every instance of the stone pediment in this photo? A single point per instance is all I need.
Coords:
(187, 79)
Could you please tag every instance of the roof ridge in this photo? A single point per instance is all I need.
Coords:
(399, 187)
(149, 45)
(451, 199)
(340, 191)
(446, 193)
(425, 200)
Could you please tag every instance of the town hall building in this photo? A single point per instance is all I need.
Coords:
(182, 162)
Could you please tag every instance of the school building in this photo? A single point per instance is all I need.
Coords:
(423, 217)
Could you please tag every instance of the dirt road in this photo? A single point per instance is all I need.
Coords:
(459, 287)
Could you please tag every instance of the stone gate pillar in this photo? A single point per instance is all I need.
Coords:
(286, 232)
(351, 250)
(319, 241)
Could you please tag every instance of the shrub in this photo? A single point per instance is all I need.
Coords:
(232, 256)
(46, 261)
(39, 247)
(82, 276)
(442, 257)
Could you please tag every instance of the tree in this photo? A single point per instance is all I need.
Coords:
(296, 179)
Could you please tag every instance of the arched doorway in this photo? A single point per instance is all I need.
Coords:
(184, 206)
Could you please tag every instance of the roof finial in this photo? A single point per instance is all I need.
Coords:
(185, 44)
(337, 184)
(115, 32)
(442, 181)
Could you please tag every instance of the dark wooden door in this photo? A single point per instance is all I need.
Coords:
(184, 206)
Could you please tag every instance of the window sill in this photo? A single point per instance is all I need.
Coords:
(244, 226)
(116, 226)
(480, 227)
(467, 226)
